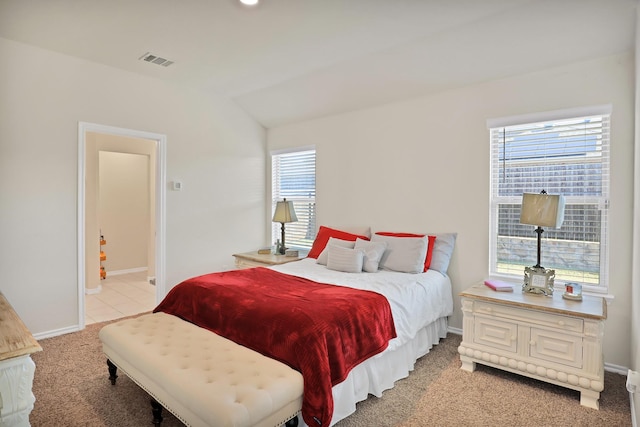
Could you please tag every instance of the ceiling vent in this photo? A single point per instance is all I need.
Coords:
(148, 57)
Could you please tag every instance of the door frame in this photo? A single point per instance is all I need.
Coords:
(160, 208)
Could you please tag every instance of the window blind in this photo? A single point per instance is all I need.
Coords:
(294, 178)
(568, 157)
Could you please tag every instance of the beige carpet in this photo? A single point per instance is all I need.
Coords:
(72, 389)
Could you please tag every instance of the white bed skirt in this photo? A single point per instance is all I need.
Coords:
(379, 373)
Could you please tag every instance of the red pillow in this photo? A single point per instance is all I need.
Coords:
(322, 238)
(432, 241)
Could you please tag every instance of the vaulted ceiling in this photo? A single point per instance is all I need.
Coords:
(289, 60)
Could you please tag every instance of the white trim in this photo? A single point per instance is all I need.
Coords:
(499, 130)
(56, 332)
(610, 367)
(457, 331)
(127, 271)
(595, 110)
(292, 150)
(82, 170)
(301, 158)
(161, 174)
(93, 291)
(161, 226)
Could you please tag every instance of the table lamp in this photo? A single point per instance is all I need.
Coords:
(541, 210)
(284, 213)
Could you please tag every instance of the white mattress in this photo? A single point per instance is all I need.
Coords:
(419, 303)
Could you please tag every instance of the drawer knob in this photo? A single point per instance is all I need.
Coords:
(532, 342)
(561, 323)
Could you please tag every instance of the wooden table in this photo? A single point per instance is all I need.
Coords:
(16, 367)
(254, 259)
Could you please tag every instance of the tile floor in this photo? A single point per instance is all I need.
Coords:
(122, 295)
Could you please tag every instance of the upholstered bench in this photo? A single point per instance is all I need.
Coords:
(202, 378)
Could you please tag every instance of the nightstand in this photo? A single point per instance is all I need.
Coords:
(543, 337)
(254, 259)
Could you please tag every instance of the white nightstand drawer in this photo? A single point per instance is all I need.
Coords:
(497, 334)
(564, 323)
(556, 347)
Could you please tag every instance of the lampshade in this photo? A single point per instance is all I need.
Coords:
(544, 210)
(284, 212)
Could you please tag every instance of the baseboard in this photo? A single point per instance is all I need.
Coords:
(56, 332)
(93, 291)
(456, 331)
(127, 271)
(622, 370)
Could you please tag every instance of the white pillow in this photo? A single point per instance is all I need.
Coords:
(373, 252)
(345, 259)
(322, 258)
(442, 251)
(403, 254)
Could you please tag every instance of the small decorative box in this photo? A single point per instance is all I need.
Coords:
(572, 291)
(291, 252)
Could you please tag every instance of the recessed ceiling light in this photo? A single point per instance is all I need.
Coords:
(249, 2)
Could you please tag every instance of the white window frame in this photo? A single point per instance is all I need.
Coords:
(299, 234)
(494, 126)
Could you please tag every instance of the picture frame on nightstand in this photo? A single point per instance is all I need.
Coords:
(538, 280)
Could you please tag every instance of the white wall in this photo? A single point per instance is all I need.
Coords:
(212, 146)
(123, 209)
(423, 166)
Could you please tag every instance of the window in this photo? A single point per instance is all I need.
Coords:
(293, 176)
(569, 156)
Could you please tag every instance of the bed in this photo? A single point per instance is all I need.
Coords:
(420, 305)
(397, 278)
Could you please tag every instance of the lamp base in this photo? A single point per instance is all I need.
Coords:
(282, 249)
(538, 280)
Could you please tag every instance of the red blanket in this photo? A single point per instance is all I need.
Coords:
(321, 330)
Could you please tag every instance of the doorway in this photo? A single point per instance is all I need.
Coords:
(93, 140)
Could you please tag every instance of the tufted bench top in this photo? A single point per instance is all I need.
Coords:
(202, 378)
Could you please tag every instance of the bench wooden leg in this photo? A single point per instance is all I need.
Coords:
(112, 372)
(156, 410)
